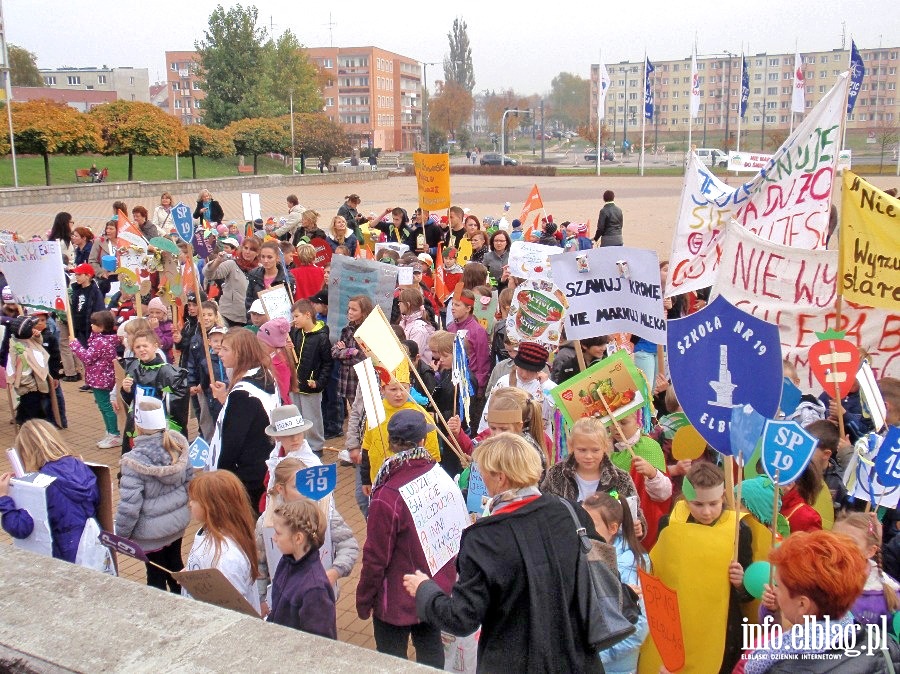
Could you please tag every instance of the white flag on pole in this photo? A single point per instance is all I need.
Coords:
(695, 86)
(602, 88)
(798, 102)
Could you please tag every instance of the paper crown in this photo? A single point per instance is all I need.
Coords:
(149, 414)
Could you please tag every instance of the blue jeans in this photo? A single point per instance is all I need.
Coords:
(361, 499)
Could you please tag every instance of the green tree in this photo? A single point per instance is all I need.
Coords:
(287, 70)
(23, 70)
(458, 65)
(257, 136)
(569, 100)
(206, 142)
(230, 62)
(45, 128)
(132, 127)
(317, 136)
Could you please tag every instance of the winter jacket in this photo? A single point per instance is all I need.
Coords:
(560, 480)
(188, 330)
(565, 363)
(196, 365)
(85, 301)
(308, 280)
(480, 362)
(164, 333)
(50, 340)
(516, 577)
(609, 225)
(256, 282)
(495, 264)
(216, 214)
(302, 597)
(72, 499)
(162, 381)
(799, 514)
(98, 358)
(83, 254)
(392, 549)
(350, 241)
(314, 360)
(153, 499)
(102, 246)
(291, 224)
(417, 329)
(233, 300)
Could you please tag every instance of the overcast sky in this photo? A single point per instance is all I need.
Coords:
(519, 45)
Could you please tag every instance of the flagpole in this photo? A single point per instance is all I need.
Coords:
(740, 104)
(690, 103)
(849, 69)
(599, 101)
(644, 116)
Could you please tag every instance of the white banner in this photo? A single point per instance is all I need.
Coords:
(788, 202)
(795, 290)
(34, 272)
(750, 162)
(530, 260)
(612, 289)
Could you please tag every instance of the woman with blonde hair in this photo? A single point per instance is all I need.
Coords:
(309, 228)
(72, 497)
(342, 235)
(162, 214)
(208, 210)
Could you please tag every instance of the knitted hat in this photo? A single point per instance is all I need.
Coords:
(157, 303)
(320, 297)
(23, 326)
(84, 268)
(516, 224)
(408, 426)
(532, 357)
(274, 332)
(582, 229)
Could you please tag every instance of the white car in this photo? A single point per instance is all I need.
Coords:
(712, 156)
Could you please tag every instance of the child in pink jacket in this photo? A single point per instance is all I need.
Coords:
(98, 358)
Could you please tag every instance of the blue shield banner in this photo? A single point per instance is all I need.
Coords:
(786, 451)
(887, 462)
(746, 429)
(184, 222)
(198, 453)
(720, 357)
(317, 482)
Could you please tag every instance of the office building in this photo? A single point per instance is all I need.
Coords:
(129, 84)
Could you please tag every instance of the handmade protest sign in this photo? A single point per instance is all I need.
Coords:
(869, 245)
(184, 222)
(251, 206)
(370, 389)
(834, 362)
(786, 450)
(212, 587)
(720, 357)
(317, 482)
(34, 272)
(201, 247)
(198, 453)
(477, 496)
(485, 310)
(531, 260)
(377, 338)
(323, 252)
(432, 180)
(887, 462)
(664, 620)
(862, 477)
(747, 427)
(613, 289)
(796, 290)
(350, 277)
(124, 545)
(614, 381)
(439, 515)
(536, 314)
(276, 302)
(790, 397)
(29, 492)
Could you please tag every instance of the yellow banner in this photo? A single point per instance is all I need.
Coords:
(433, 178)
(869, 262)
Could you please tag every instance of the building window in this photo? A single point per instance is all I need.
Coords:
(101, 79)
(197, 103)
(130, 80)
(196, 86)
(73, 79)
(773, 62)
(177, 104)
(175, 86)
(329, 102)
(173, 66)
(773, 77)
(771, 91)
(49, 80)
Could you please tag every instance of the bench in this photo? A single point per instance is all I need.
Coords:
(83, 175)
(245, 168)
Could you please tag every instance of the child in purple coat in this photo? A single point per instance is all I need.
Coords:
(158, 317)
(98, 358)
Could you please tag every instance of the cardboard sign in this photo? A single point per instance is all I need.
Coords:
(34, 272)
(121, 544)
(201, 247)
(251, 206)
(439, 514)
(198, 453)
(212, 587)
(531, 260)
(612, 289)
(485, 311)
(887, 462)
(432, 180)
(687, 444)
(477, 496)
(105, 511)
(317, 482)
(277, 302)
(747, 427)
(614, 379)
(790, 397)
(183, 219)
(663, 619)
(834, 362)
(871, 396)
(323, 252)
(350, 277)
(786, 450)
(30, 493)
(376, 337)
(536, 314)
(720, 357)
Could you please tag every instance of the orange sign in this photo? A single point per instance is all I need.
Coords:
(433, 179)
(664, 620)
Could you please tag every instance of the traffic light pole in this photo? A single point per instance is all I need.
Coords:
(503, 133)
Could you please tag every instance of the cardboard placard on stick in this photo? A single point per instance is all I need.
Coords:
(276, 302)
(212, 587)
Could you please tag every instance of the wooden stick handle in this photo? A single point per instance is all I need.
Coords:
(212, 376)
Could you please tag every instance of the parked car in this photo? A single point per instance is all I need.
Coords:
(493, 159)
(713, 156)
(606, 154)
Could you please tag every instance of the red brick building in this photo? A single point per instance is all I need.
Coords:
(185, 95)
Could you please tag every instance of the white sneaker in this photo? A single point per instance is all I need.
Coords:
(109, 441)
(344, 458)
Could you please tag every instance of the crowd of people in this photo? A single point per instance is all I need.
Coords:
(267, 393)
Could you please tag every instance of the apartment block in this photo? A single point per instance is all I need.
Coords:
(768, 114)
(129, 84)
(374, 94)
(183, 84)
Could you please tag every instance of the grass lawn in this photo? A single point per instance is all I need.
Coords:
(62, 168)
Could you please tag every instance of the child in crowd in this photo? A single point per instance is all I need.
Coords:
(528, 374)
(257, 316)
(158, 317)
(148, 372)
(612, 519)
(346, 352)
(224, 541)
(499, 336)
(123, 307)
(273, 335)
(798, 498)
(182, 337)
(153, 495)
(86, 299)
(29, 369)
(833, 494)
(310, 341)
(302, 596)
(699, 536)
(205, 405)
(413, 319)
(99, 357)
(461, 309)
(308, 276)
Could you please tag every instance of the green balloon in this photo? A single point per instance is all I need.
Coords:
(756, 576)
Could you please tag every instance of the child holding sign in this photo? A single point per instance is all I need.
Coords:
(302, 596)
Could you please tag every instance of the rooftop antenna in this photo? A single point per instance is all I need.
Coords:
(843, 35)
(330, 26)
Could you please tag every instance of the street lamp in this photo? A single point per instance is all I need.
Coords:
(425, 102)
(728, 99)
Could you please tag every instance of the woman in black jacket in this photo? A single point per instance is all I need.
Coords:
(516, 572)
(239, 443)
(268, 274)
(208, 209)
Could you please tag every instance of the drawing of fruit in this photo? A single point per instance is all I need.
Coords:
(568, 395)
(534, 311)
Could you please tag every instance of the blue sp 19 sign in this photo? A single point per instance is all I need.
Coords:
(317, 482)
(887, 462)
(184, 222)
(787, 450)
(198, 453)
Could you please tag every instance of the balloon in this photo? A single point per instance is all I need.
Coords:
(755, 577)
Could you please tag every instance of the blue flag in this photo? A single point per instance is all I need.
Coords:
(460, 376)
(745, 86)
(857, 72)
(648, 91)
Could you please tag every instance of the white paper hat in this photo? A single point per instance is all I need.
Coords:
(149, 414)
